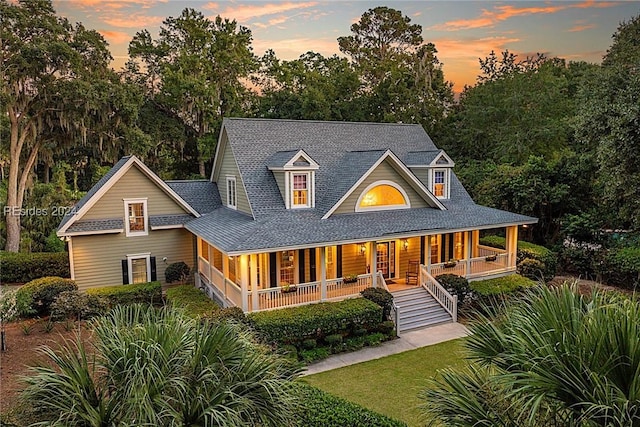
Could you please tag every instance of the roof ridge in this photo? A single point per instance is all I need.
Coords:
(319, 121)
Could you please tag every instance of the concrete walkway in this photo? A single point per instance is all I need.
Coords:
(407, 341)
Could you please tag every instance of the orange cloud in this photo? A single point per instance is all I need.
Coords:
(577, 28)
(115, 37)
(247, 12)
(102, 5)
(488, 18)
(133, 21)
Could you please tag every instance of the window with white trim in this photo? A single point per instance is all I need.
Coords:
(300, 183)
(232, 199)
(287, 268)
(383, 195)
(440, 183)
(139, 268)
(136, 217)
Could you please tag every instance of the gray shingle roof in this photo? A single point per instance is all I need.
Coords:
(94, 190)
(202, 195)
(421, 158)
(164, 220)
(83, 226)
(344, 151)
(280, 158)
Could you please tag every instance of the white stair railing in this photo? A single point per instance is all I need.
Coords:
(445, 299)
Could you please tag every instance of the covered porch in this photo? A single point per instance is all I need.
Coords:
(300, 276)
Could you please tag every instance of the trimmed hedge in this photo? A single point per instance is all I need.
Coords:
(292, 325)
(25, 267)
(501, 285)
(455, 285)
(43, 291)
(380, 296)
(622, 267)
(139, 293)
(195, 302)
(320, 409)
(547, 258)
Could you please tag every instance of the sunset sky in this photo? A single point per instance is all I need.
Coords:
(462, 31)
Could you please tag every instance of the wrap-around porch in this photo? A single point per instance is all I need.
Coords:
(299, 276)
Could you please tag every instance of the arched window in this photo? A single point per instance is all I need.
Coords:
(382, 195)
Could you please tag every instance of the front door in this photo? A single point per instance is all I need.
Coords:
(386, 259)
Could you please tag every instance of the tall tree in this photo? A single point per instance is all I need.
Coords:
(55, 91)
(608, 122)
(311, 87)
(194, 71)
(403, 79)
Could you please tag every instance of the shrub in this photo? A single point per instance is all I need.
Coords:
(580, 260)
(526, 250)
(455, 285)
(24, 267)
(333, 339)
(622, 267)
(139, 293)
(375, 339)
(380, 296)
(234, 314)
(195, 302)
(293, 325)
(502, 285)
(387, 327)
(320, 409)
(177, 272)
(77, 305)
(314, 354)
(309, 344)
(42, 292)
(531, 269)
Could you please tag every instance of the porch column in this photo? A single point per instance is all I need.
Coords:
(323, 273)
(253, 262)
(475, 241)
(210, 262)
(428, 254)
(374, 264)
(468, 242)
(511, 245)
(225, 273)
(244, 281)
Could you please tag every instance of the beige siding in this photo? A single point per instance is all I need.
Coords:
(411, 254)
(228, 167)
(279, 176)
(353, 262)
(97, 259)
(422, 174)
(132, 185)
(383, 172)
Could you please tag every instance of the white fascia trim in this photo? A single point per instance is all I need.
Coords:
(91, 233)
(409, 176)
(111, 182)
(407, 204)
(434, 162)
(167, 227)
(301, 153)
(218, 149)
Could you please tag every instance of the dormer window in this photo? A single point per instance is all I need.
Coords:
(300, 190)
(136, 217)
(440, 183)
(383, 195)
(294, 172)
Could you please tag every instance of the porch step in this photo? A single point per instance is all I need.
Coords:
(418, 309)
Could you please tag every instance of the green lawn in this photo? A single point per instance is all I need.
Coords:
(390, 385)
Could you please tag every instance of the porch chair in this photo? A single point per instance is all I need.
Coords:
(413, 269)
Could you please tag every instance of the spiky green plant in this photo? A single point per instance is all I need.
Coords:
(556, 358)
(160, 368)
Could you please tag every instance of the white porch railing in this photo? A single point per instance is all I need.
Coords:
(233, 292)
(459, 269)
(447, 301)
(203, 268)
(493, 263)
(337, 288)
(488, 251)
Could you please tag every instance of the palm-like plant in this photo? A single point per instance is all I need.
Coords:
(553, 358)
(160, 368)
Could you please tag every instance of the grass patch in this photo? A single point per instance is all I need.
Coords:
(390, 385)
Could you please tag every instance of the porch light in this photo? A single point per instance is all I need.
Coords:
(405, 244)
(363, 249)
